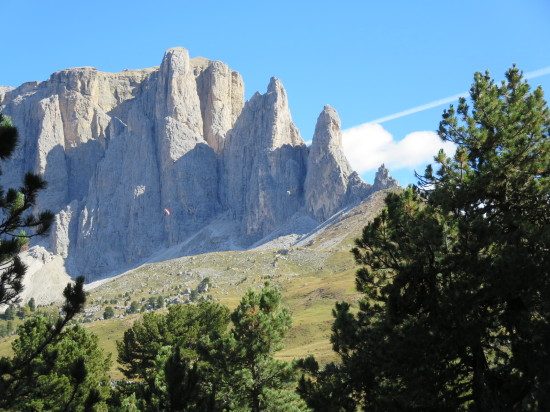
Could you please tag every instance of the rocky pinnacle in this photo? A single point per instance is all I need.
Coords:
(171, 158)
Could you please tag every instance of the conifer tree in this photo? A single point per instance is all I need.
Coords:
(17, 374)
(183, 326)
(32, 304)
(456, 271)
(160, 354)
(66, 375)
(244, 374)
(108, 313)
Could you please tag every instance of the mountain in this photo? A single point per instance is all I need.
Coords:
(170, 161)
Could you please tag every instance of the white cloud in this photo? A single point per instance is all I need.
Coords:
(369, 145)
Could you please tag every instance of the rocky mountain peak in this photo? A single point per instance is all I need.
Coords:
(265, 154)
(175, 59)
(145, 160)
(328, 129)
(330, 183)
(270, 115)
(383, 180)
(276, 86)
(221, 93)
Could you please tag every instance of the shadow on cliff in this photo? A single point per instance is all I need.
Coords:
(189, 190)
(68, 173)
(200, 219)
(271, 191)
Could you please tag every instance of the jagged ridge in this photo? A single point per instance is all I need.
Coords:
(119, 148)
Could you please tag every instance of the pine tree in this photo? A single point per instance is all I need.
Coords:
(9, 314)
(244, 374)
(108, 313)
(183, 326)
(456, 272)
(160, 351)
(9, 327)
(66, 375)
(17, 373)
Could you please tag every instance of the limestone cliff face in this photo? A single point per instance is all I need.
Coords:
(331, 183)
(221, 90)
(264, 164)
(188, 165)
(117, 149)
(383, 180)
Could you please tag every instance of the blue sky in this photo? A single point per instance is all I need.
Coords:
(367, 59)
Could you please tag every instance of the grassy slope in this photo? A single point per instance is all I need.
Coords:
(311, 278)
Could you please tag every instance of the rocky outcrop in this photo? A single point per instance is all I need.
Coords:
(188, 165)
(221, 90)
(331, 183)
(118, 149)
(383, 180)
(264, 164)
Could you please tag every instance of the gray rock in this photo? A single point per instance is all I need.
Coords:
(383, 180)
(119, 148)
(264, 164)
(331, 183)
(188, 165)
(221, 92)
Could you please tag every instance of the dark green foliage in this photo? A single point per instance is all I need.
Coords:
(9, 327)
(182, 326)
(21, 313)
(140, 344)
(456, 273)
(63, 374)
(176, 384)
(186, 360)
(15, 219)
(8, 137)
(324, 389)
(161, 351)
(108, 313)
(204, 285)
(134, 308)
(39, 342)
(43, 374)
(243, 373)
(32, 304)
(182, 382)
(9, 314)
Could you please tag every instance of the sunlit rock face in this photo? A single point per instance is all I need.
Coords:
(264, 164)
(144, 160)
(330, 184)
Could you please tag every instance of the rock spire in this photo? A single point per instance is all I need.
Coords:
(117, 149)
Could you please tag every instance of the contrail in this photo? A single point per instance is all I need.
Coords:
(537, 73)
(531, 75)
(419, 108)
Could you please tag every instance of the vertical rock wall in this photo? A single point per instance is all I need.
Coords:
(119, 148)
(264, 164)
